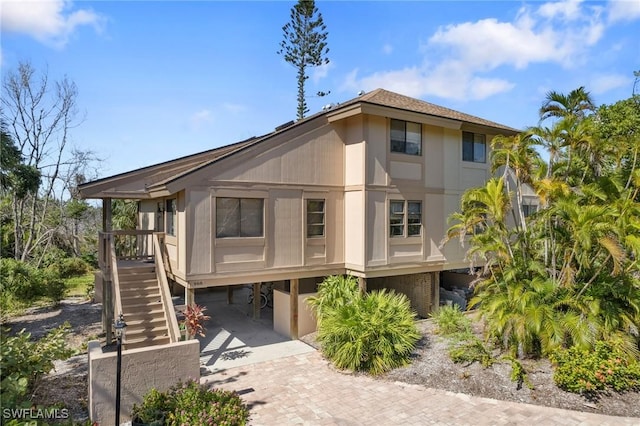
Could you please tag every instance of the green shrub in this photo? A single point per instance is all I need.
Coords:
(471, 350)
(450, 320)
(91, 258)
(51, 285)
(19, 279)
(587, 371)
(334, 292)
(374, 333)
(23, 361)
(192, 404)
(518, 373)
(69, 267)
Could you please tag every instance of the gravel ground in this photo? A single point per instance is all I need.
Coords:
(432, 367)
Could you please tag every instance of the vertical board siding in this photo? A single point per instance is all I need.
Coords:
(377, 221)
(315, 159)
(284, 232)
(377, 148)
(354, 228)
(199, 234)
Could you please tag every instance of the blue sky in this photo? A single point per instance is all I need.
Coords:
(160, 80)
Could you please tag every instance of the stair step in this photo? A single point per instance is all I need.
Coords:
(143, 314)
(140, 286)
(149, 322)
(133, 296)
(136, 278)
(145, 275)
(146, 341)
(137, 331)
(143, 306)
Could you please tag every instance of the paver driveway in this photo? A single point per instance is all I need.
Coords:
(304, 389)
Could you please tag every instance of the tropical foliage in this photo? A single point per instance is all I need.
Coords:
(586, 371)
(190, 403)
(23, 361)
(373, 332)
(568, 274)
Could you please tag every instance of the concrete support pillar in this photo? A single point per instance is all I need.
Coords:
(435, 291)
(229, 295)
(293, 307)
(256, 300)
(362, 284)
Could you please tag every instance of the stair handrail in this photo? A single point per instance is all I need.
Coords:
(165, 295)
(115, 280)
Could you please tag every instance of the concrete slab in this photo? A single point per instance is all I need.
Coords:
(234, 338)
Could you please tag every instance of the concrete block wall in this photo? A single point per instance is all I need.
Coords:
(421, 289)
(142, 369)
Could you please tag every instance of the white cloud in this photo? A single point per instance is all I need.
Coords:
(234, 108)
(568, 10)
(51, 22)
(462, 55)
(624, 10)
(604, 83)
(387, 49)
(200, 118)
(321, 72)
(449, 82)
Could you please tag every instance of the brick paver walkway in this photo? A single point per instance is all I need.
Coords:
(305, 390)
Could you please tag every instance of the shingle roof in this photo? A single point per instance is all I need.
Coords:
(395, 100)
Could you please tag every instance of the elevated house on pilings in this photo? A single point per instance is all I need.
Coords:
(363, 188)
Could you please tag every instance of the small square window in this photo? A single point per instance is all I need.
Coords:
(405, 215)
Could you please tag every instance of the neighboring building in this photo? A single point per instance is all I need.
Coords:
(364, 188)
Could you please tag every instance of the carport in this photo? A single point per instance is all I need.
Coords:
(233, 337)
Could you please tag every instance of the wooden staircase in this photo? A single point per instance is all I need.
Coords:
(142, 307)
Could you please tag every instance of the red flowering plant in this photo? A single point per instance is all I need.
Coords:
(194, 318)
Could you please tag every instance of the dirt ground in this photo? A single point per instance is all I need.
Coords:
(67, 383)
(430, 367)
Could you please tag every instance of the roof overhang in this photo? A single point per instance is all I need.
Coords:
(391, 112)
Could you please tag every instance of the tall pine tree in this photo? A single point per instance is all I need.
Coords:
(304, 45)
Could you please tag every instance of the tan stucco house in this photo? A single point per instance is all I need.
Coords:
(363, 188)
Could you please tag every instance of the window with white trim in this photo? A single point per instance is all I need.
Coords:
(474, 147)
(405, 218)
(406, 137)
(315, 218)
(239, 217)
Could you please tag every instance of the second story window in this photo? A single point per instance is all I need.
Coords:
(239, 217)
(405, 218)
(315, 218)
(406, 137)
(474, 147)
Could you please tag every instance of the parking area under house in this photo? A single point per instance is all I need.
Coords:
(233, 337)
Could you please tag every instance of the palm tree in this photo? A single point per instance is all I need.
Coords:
(517, 155)
(577, 103)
